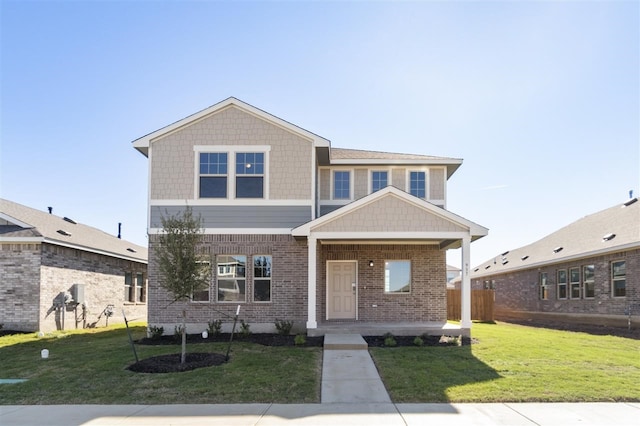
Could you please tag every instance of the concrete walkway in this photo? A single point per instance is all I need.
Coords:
(348, 372)
(521, 414)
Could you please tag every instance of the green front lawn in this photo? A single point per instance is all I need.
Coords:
(89, 367)
(515, 363)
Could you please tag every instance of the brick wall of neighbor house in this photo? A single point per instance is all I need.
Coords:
(103, 279)
(19, 286)
(427, 300)
(519, 291)
(288, 286)
(173, 173)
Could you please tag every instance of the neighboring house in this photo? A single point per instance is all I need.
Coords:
(300, 231)
(453, 274)
(58, 274)
(588, 271)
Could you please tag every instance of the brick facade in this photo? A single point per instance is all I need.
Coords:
(33, 276)
(427, 300)
(519, 291)
(288, 285)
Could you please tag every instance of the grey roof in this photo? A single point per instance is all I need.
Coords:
(22, 223)
(582, 238)
(357, 154)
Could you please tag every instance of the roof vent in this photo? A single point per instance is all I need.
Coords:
(131, 250)
(505, 261)
(631, 201)
(525, 257)
(487, 267)
(558, 249)
(69, 220)
(608, 237)
(62, 232)
(505, 253)
(476, 270)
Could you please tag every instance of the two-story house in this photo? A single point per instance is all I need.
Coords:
(297, 230)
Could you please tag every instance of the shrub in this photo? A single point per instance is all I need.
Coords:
(245, 329)
(418, 341)
(155, 333)
(177, 332)
(389, 340)
(283, 326)
(214, 327)
(300, 340)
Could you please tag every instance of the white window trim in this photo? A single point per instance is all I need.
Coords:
(426, 181)
(571, 283)
(378, 169)
(332, 186)
(613, 287)
(584, 282)
(253, 280)
(231, 151)
(396, 293)
(566, 284)
(217, 279)
(208, 289)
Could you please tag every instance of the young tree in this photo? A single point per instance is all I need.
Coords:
(182, 270)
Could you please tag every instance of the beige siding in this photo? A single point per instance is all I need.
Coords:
(360, 183)
(399, 179)
(325, 184)
(436, 184)
(391, 215)
(173, 157)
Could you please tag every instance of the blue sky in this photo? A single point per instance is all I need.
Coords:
(540, 99)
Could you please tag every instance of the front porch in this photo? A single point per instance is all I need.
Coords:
(369, 328)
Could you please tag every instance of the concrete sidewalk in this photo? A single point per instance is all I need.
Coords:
(525, 414)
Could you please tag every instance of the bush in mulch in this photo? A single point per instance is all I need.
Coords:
(265, 339)
(171, 363)
(379, 341)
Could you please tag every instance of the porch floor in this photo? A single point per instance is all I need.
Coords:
(366, 328)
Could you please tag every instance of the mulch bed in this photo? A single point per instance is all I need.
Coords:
(265, 339)
(171, 363)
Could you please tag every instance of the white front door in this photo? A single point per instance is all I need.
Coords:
(341, 290)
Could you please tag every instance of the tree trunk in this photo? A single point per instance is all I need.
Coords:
(183, 357)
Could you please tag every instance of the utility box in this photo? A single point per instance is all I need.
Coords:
(77, 293)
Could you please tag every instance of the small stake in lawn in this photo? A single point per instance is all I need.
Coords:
(235, 320)
(126, 323)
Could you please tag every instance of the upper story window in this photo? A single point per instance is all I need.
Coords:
(250, 175)
(341, 185)
(418, 184)
(379, 180)
(213, 175)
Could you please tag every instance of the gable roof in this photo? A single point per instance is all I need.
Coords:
(19, 223)
(614, 229)
(356, 156)
(142, 144)
(367, 218)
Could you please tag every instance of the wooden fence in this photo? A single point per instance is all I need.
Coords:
(481, 305)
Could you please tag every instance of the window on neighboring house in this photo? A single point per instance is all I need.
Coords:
(231, 283)
(250, 175)
(378, 180)
(141, 294)
(619, 278)
(397, 276)
(262, 278)
(213, 175)
(129, 295)
(544, 290)
(418, 184)
(562, 284)
(341, 185)
(574, 281)
(202, 295)
(588, 279)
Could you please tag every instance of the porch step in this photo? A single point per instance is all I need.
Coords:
(344, 342)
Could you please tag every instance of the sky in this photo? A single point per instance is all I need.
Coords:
(541, 99)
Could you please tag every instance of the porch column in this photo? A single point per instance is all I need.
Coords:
(465, 294)
(312, 243)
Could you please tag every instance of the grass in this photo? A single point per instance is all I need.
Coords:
(517, 364)
(89, 367)
(508, 363)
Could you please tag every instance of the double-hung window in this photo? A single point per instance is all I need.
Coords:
(141, 295)
(262, 278)
(128, 287)
(544, 290)
(341, 185)
(418, 184)
(379, 180)
(588, 278)
(202, 295)
(250, 175)
(562, 284)
(213, 175)
(574, 281)
(619, 278)
(231, 277)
